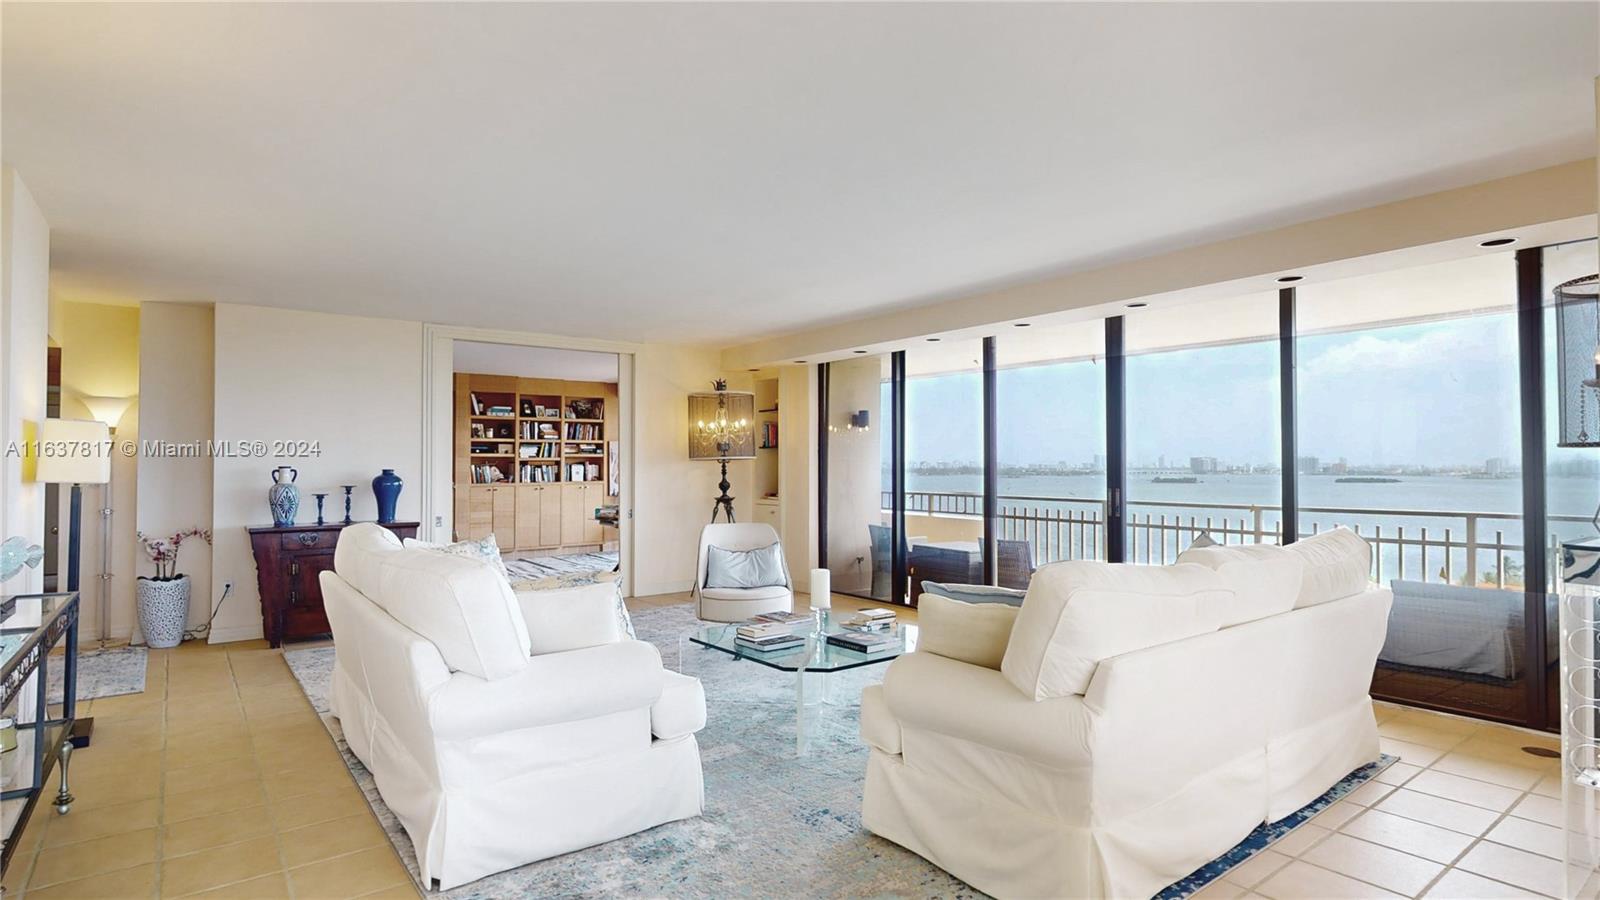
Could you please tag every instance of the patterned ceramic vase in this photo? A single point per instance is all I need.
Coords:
(386, 488)
(163, 610)
(284, 497)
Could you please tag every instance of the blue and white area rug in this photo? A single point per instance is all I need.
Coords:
(534, 567)
(774, 826)
(101, 673)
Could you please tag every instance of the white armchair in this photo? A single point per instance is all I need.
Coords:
(738, 604)
(489, 757)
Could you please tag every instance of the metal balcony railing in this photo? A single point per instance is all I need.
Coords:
(1472, 548)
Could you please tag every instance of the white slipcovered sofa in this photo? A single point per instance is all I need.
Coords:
(1133, 723)
(490, 757)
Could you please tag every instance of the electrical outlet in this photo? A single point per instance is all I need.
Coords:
(438, 521)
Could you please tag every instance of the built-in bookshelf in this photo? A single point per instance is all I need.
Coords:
(532, 431)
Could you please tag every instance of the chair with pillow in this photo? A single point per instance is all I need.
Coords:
(741, 573)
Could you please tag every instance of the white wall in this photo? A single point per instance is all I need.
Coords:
(673, 494)
(176, 351)
(855, 470)
(352, 384)
(24, 317)
(797, 474)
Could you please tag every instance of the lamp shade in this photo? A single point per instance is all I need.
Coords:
(722, 425)
(74, 451)
(107, 409)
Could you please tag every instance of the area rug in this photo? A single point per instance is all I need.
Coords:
(544, 566)
(774, 825)
(101, 673)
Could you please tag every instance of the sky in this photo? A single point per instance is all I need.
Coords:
(1441, 393)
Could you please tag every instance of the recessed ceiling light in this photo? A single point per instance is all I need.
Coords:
(1020, 324)
(933, 340)
(1137, 305)
(799, 362)
(1290, 279)
(860, 351)
(1498, 242)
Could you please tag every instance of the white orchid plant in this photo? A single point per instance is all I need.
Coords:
(164, 551)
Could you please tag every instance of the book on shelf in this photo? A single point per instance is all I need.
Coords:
(504, 412)
(477, 406)
(592, 471)
(533, 474)
(864, 642)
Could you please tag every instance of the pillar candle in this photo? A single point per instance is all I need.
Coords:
(821, 589)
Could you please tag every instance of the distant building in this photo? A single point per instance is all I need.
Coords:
(1202, 465)
(1100, 462)
(1494, 466)
(1308, 465)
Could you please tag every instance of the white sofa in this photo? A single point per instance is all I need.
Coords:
(490, 757)
(724, 604)
(1142, 720)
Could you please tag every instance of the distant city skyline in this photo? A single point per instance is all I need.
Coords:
(1440, 395)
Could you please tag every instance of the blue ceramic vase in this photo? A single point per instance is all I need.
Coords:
(284, 497)
(386, 488)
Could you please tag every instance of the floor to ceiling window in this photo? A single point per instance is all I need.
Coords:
(1051, 421)
(1410, 433)
(944, 463)
(1202, 425)
(858, 527)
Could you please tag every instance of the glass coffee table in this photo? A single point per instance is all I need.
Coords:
(818, 659)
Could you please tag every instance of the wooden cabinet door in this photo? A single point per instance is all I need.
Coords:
(530, 509)
(504, 511)
(549, 516)
(302, 611)
(572, 513)
(593, 496)
(480, 512)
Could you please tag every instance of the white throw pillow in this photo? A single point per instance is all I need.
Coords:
(486, 550)
(462, 605)
(571, 618)
(975, 633)
(1266, 579)
(1338, 565)
(759, 567)
(1079, 613)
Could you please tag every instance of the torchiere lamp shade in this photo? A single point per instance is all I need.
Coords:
(722, 425)
(74, 451)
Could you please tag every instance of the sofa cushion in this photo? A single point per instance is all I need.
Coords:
(564, 580)
(1079, 613)
(1338, 565)
(757, 567)
(975, 593)
(974, 633)
(463, 606)
(760, 593)
(569, 618)
(1266, 579)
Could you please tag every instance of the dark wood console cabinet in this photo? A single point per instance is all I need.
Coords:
(288, 561)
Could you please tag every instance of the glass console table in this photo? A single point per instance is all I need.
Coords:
(31, 625)
(818, 659)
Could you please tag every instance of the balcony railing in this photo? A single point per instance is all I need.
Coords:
(1472, 548)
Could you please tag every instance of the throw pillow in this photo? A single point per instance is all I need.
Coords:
(487, 549)
(1203, 540)
(975, 633)
(975, 593)
(567, 580)
(761, 567)
(571, 617)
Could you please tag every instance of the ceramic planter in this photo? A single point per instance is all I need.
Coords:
(163, 610)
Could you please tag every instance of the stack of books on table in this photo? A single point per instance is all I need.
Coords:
(768, 636)
(870, 620)
(783, 618)
(865, 641)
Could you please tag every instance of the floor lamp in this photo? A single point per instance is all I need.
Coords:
(75, 452)
(108, 410)
(722, 427)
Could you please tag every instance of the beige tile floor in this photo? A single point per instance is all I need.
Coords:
(219, 781)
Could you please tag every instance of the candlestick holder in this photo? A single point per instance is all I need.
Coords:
(320, 499)
(347, 489)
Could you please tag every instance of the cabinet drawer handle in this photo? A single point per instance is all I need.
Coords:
(307, 540)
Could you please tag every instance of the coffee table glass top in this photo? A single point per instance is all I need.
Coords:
(817, 656)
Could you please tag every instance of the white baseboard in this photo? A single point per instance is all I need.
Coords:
(236, 633)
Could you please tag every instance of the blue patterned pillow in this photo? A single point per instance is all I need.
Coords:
(579, 579)
(487, 549)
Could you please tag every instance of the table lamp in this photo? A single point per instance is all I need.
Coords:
(722, 427)
(75, 452)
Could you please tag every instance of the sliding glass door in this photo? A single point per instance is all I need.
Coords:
(944, 464)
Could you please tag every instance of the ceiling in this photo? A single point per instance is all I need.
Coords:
(721, 172)
(482, 358)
